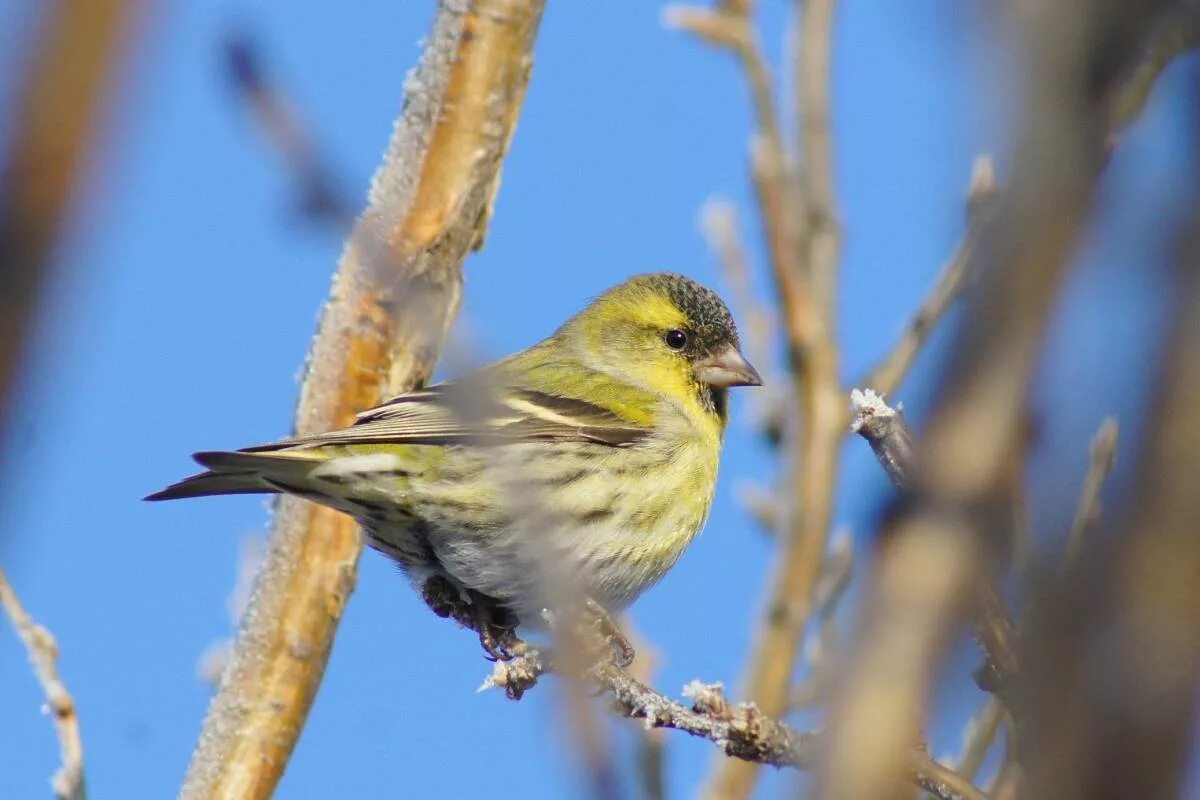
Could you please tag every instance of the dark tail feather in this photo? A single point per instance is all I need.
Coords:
(210, 483)
(234, 473)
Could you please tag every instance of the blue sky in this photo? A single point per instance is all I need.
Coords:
(186, 292)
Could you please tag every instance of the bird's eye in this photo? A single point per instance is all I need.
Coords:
(675, 339)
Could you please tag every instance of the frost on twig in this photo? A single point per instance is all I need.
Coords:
(888, 434)
(517, 675)
(740, 730)
(68, 783)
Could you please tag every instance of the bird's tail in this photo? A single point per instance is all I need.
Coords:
(242, 473)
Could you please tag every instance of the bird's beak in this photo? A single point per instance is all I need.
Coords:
(727, 367)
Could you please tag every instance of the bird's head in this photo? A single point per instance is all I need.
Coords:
(664, 332)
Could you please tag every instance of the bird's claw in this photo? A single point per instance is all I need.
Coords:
(622, 650)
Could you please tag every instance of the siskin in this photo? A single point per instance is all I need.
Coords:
(582, 466)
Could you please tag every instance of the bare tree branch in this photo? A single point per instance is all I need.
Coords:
(935, 551)
(803, 240)
(396, 292)
(1114, 648)
(320, 196)
(741, 731)
(57, 110)
(68, 782)
(885, 378)
(820, 655)
(1087, 513)
(886, 431)
(979, 736)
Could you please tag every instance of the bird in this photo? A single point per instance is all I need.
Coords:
(579, 468)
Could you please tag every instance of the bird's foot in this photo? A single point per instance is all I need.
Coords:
(494, 623)
(497, 628)
(606, 627)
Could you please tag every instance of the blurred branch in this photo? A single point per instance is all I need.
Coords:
(799, 220)
(397, 288)
(836, 573)
(892, 440)
(885, 378)
(886, 431)
(68, 782)
(979, 736)
(939, 540)
(286, 132)
(920, 580)
(52, 126)
(719, 224)
(1176, 32)
(1087, 514)
(1114, 649)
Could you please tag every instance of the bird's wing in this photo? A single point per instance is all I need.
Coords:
(475, 414)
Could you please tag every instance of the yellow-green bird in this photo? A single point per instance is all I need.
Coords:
(582, 466)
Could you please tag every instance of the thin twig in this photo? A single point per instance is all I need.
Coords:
(888, 433)
(800, 226)
(836, 573)
(741, 731)
(719, 224)
(1087, 513)
(397, 288)
(942, 781)
(68, 782)
(978, 737)
(886, 377)
(892, 440)
(321, 197)
(1177, 32)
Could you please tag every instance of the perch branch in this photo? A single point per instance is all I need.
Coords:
(68, 783)
(395, 294)
(54, 118)
(741, 731)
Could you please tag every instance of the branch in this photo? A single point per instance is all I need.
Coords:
(68, 783)
(1087, 513)
(54, 120)
(286, 132)
(886, 377)
(978, 737)
(741, 731)
(803, 241)
(892, 440)
(888, 433)
(1176, 33)
(935, 552)
(395, 294)
(836, 573)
